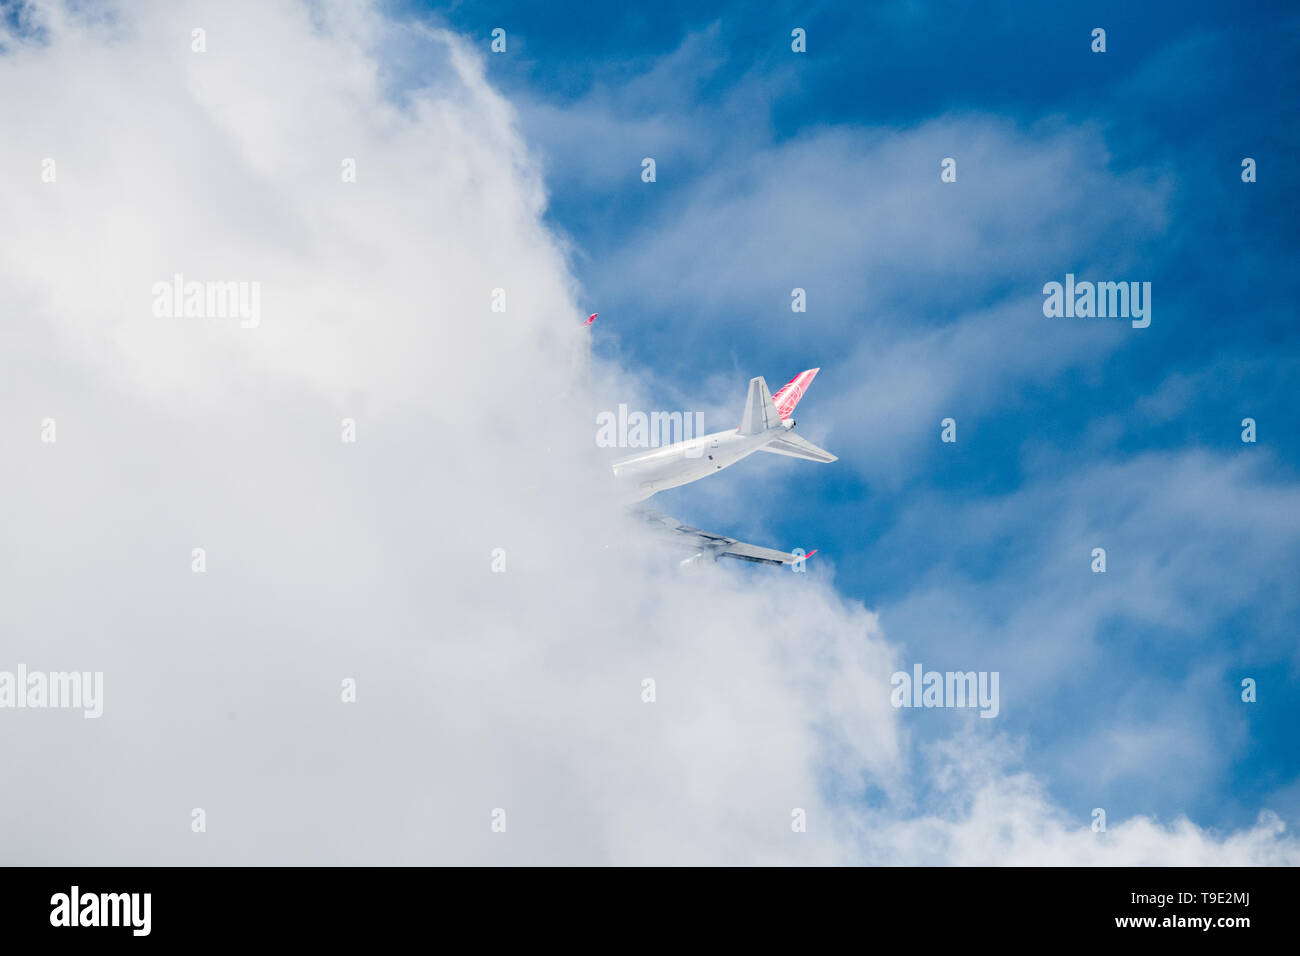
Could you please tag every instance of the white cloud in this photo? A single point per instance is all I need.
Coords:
(984, 812)
(371, 561)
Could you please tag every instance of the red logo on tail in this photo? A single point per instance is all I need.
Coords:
(792, 391)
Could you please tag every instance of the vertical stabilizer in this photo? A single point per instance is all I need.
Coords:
(793, 390)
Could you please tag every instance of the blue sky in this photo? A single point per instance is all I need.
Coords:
(821, 171)
(221, 142)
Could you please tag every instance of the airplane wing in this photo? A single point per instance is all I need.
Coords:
(798, 447)
(717, 545)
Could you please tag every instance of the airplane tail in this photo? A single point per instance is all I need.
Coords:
(764, 410)
(761, 412)
(792, 391)
(798, 447)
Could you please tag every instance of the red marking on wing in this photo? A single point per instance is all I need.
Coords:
(591, 318)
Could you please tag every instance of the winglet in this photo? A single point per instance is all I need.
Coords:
(591, 318)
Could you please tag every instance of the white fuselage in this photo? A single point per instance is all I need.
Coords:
(685, 461)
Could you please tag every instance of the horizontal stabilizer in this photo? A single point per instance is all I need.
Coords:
(760, 411)
(796, 447)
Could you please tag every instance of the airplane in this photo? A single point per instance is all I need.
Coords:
(767, 424)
